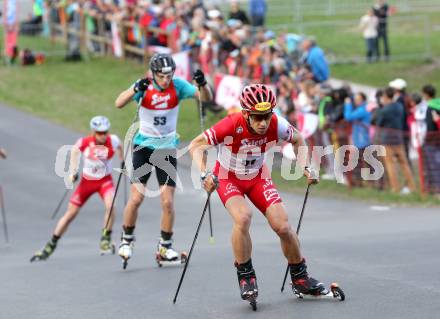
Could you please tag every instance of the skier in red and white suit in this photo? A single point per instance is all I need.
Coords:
(98, 149)
(242, 140)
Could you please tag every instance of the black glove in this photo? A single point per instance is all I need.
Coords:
(141, 85)
(199, 77)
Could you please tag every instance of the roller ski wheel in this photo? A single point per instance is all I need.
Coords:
(45, 253)
(334, 293)
(181, 260)
(125, 252)
(110, 250)
(124, 263)
(252, 299)
(39, 256)
(249, 291)
(337, 292)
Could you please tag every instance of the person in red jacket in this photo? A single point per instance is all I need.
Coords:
(98, 149)
(242, 140)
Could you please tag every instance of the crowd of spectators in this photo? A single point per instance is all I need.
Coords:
(239, 44)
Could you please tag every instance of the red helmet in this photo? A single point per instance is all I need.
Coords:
(257, 98)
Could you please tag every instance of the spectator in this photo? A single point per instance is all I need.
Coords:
(390, 121)
(431, 147)
(416, 118)
(324, 109)
(237, 14)
(168, 24)
(360, 119)
(433, 111)
(400, 96)
(196, 5)
(284, 97)
(369, 24)
(381, 11)
(74, 12)
(257, 10)
(306, 101)
(315, 58)
(34, 25)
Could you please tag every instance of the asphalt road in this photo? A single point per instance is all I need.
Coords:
(387, 261)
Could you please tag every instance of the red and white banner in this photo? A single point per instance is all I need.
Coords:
(307, 123)
(182, 65)
(116, 40)
(228, 89)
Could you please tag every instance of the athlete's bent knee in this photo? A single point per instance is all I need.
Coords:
(243, 221)
(137, 199)
(283, 229)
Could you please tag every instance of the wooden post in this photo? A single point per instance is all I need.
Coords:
(146, 56)
(120, 23)
(101, 32)
(82, 34)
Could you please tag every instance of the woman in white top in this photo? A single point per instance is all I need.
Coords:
(368, 25)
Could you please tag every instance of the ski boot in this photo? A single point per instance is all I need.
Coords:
(126, 248)
(247, 282)
(167, 256)
(106, 246)
(305, 286)
(43, 254)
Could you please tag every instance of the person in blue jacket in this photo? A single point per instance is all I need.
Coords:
(257, 11)
(315, 58)
(360, 118)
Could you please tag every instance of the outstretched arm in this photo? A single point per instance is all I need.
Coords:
(204, 92)
(125, 97)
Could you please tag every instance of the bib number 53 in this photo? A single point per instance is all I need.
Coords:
(160, 120)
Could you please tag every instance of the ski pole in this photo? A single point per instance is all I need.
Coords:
(60, 203)
(192, 247)
(122, 167)
(125, 190)
(202, 128)
(297, 232)
(5, 224)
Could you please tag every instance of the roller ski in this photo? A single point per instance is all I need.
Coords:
(126, 249)
(106, 246)
(247, 282)
(304, 286)
(167, 256)
(43, 254)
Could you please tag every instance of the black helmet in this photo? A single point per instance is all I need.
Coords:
(162, 63)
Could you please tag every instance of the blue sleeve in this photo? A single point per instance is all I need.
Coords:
(357, 114)
(137, 96)
(184, 89)
(319, 64)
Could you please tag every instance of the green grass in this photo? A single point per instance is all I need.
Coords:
(71, 93)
